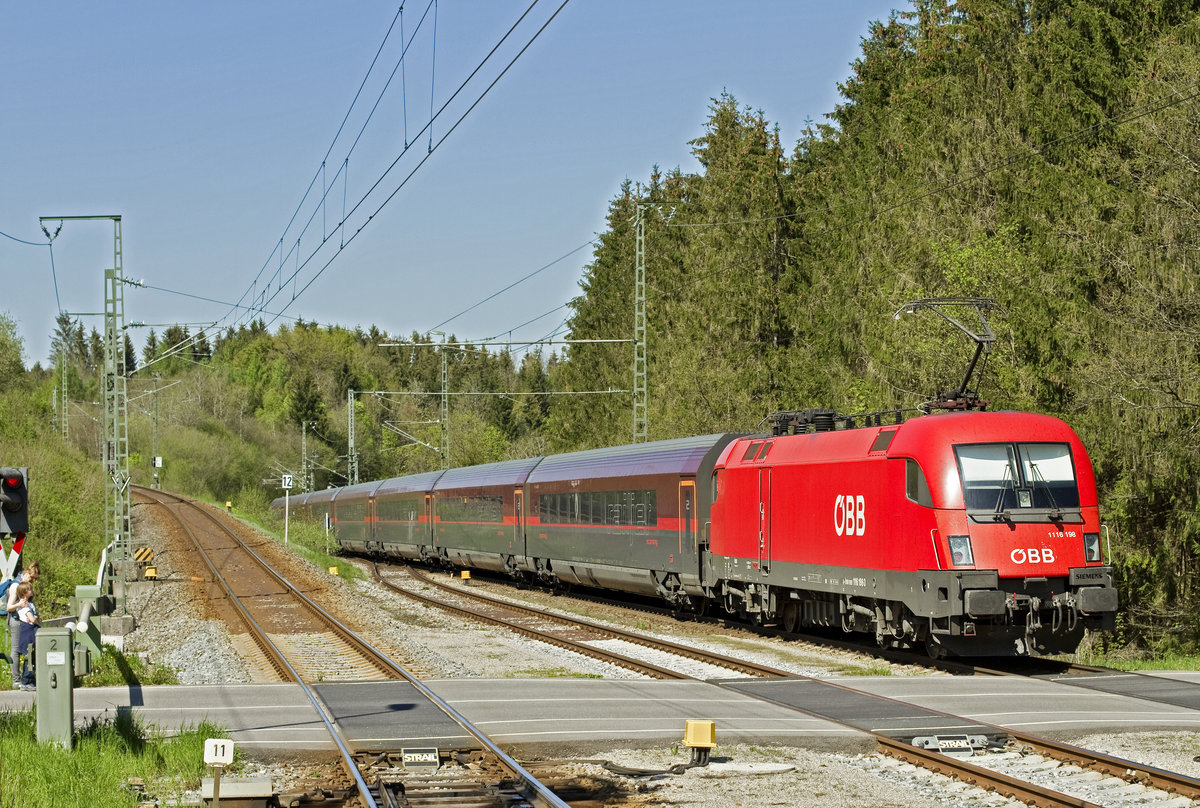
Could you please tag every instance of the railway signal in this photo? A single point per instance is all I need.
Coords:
(14, 501)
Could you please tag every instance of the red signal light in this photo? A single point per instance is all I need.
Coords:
(14, 497)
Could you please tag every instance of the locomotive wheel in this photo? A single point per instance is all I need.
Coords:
(935, 649)
(789, 618)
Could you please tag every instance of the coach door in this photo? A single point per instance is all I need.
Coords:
(517, 545)
(764, 519)
(687, 519)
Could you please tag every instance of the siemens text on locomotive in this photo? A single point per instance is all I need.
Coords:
(970, 533)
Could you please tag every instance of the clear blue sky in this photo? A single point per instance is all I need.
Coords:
(202, 125)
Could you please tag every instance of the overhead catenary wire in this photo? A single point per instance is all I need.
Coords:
(434, 147)
(963, 178)
(515, 283)
(343, 242)
(23, 241)
(321, 170)
(49, 243)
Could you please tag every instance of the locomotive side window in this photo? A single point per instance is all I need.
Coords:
(916, 486)
(1002, 477)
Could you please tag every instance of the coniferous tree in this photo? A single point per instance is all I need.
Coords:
(306, 404)
(95, 353)
(150, 350)
(131, 364)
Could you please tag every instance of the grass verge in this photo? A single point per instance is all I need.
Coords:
(308, 540)
(110, 755)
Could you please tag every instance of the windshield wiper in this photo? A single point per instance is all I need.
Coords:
(1055, 511)
(999, 513)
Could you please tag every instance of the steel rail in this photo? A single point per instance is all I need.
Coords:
(538, 793)
(710, 657)
(276, 658)
(1028, 793)
(1127, 770)
(368, 651)
(647, 668)
(900, 657)
(260, 634)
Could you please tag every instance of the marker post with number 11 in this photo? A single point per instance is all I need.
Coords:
(218, 753)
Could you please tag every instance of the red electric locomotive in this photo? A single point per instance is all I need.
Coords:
(972, 533)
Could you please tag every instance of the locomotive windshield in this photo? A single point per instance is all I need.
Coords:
(1008, 478)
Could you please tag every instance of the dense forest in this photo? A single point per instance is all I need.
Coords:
(1042, 154)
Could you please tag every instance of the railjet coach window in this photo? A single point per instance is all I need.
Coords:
(352, 513)
(1013, 476)
(638, 508)
(471, 509)
(397, 510)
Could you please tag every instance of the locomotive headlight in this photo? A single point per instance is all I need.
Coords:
(960, 551)
(1091, 546)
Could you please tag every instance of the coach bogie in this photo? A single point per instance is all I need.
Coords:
(543, 573)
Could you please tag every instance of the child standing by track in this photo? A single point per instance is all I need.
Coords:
(28, 623)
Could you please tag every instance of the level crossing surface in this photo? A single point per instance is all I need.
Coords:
(1180, 688)
(276, 719)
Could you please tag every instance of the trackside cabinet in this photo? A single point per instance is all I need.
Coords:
(55, 659)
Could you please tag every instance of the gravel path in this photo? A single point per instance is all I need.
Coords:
(173, 629)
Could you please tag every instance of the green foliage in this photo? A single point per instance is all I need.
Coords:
(115, 668)
(108, 752)
(66, 507)
(307, 539)
(12, 349)
(1043, 155)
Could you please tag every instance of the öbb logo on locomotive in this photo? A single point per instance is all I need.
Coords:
(850, 515)
(983, 538)
(1032, 555)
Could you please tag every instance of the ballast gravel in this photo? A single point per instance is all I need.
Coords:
(172, 629)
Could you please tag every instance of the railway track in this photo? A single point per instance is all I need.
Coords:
(572, 633)
(480, 780)
(954, 666)
(290, 630)
(301, 641)
(1012, 772)
(1037, 771)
